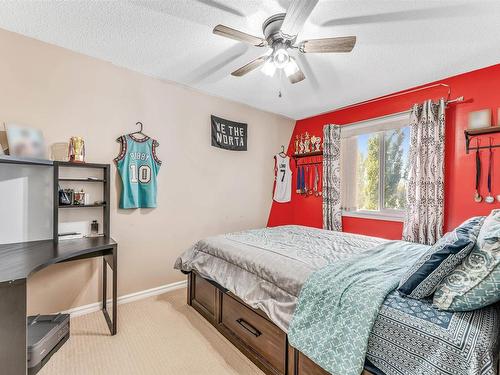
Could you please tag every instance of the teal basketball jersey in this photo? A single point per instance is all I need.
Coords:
(138, 166)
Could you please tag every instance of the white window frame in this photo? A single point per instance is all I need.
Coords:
(386, 214)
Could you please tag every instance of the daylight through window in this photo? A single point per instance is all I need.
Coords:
(375, 168)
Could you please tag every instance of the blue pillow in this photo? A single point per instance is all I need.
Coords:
(422, 279)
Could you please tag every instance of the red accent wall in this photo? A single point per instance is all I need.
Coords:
(481, 89)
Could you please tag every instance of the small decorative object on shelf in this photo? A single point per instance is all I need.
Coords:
(77, 150)
(65, 197)
(4, 146)
(59, 151)
(79, 198)
(317, 144)
(94, 228)
(301, 144)
(307, 143)
(480, 119)
(297, 144)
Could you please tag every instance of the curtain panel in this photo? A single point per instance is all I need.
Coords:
(425, 192)
(332, 210)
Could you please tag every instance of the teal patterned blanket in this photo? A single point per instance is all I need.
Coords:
(339, 304)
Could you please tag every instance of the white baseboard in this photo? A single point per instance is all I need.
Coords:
(93, 307)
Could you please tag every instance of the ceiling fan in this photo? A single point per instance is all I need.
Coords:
(280, 35)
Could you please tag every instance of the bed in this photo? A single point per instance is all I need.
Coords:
(248, 283)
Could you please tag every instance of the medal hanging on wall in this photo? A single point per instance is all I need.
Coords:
(306, 180)
(489, 198)
(317, 182)
(311, 181)
(477, 196)
(299, 183)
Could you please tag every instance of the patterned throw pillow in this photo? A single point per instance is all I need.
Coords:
(422, 279)
(476, 282)
(490, 228)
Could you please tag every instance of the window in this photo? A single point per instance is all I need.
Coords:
(375, 168)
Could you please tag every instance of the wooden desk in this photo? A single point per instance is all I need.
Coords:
(20, 260)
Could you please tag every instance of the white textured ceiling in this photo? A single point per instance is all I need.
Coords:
(401, 43)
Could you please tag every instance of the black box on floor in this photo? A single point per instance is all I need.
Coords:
(46, 334)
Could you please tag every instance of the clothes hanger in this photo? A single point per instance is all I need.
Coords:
(282, 153)
(140, 131)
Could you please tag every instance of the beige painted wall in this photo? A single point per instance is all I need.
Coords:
(202, 190)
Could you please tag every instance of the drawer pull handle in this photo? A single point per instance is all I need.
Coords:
(250, 328)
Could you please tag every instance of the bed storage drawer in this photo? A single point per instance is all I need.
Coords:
(304, 365)
(256, 333)
(203, 296)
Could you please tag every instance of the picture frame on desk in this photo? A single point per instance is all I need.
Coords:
(4, 145)
(25, 141)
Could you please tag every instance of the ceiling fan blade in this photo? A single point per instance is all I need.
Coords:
(294, 74)
(240, 36)
(252, 65)
(296, 16)
(340, 44)
(218, 5)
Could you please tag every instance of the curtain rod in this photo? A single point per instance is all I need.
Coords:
(391, 115)
(448, 101)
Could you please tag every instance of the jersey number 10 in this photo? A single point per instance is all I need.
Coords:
(144, 175)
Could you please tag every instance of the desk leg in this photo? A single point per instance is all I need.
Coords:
(13, 359)
(112, 261)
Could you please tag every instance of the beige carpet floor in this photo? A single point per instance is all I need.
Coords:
(158, 335)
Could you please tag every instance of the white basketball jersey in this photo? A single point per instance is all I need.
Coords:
(283, 177)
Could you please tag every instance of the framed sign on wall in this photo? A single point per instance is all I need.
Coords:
(229, 135)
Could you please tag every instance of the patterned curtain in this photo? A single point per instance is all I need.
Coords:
(425, 194)
(332, 211)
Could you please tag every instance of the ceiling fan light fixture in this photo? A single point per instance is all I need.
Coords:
(269, 68)
(281, 57)
(291, 68)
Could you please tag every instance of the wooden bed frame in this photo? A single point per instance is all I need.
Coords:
(249, 330)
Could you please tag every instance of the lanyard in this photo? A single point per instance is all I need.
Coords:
(477, 196)
(489, 198)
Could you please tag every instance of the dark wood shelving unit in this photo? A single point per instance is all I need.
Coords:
(105, 194)
(80, 165)
(306, 155)
(81, 180)
(18, 261)
(298, 157)
(81, 205)
(469, 134)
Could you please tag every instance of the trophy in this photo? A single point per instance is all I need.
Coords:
(297, 144)
(301, 145)
(76, 150)
(307, 142)
(317, 144)
(313, 142)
